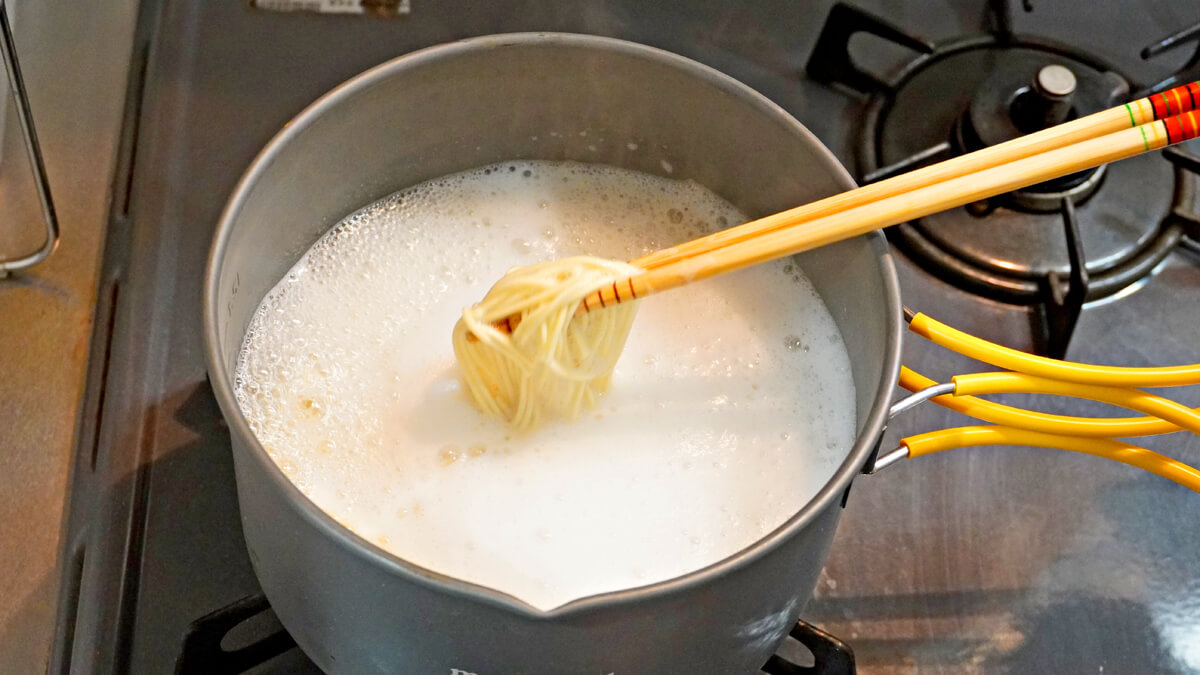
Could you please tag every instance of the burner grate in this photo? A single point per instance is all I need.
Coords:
(1051, 247)
(1184, 217)
(203, 649)
(260, 642)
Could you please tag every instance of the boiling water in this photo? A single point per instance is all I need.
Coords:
(731, 406)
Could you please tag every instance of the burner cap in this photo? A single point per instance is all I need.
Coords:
(1055, 81)
(1021, 95)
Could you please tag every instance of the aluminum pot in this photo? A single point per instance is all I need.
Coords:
(354, 608)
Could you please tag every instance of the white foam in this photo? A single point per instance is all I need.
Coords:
(730, 408)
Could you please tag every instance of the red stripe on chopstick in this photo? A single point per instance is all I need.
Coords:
(1175, 101)
(1174, 130)
(1190, 125)
(1162, 109)
(1188, 122)
(1181, 128)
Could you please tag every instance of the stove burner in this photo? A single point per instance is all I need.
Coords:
(965, 93)
(1051, 246)
(258, 639)
(1010, 102)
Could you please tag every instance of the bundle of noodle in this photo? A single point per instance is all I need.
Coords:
(525, 356)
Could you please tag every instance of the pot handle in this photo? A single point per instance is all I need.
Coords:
(831, 656)
(1030, 374)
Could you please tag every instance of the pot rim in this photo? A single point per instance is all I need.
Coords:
(833, 489)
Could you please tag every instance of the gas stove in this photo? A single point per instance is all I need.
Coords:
(984, 560)
(1026, 247)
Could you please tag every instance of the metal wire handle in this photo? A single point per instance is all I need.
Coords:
(32, 148)
(903, 405)
(1034, 374)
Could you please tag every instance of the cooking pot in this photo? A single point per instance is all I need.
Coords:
(355, 608)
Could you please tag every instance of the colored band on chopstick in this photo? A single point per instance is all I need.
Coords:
(1169, 103)
(1132, 121)
(1181, 127)
(1175, 101)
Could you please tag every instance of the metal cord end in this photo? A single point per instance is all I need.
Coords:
(890, 458)
(909, 315)
(932, 391)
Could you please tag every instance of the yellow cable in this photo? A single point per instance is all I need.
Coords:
(1132, 455)
(1114, 427)
(1012, 359)
(1134, 399)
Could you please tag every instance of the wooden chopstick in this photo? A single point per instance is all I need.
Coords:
(1129, 115)
(787, 237)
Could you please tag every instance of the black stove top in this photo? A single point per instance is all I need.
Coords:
(988, 560)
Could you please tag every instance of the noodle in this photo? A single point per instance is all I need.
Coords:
(553, 364)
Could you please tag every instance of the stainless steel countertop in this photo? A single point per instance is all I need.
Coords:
(75, 59)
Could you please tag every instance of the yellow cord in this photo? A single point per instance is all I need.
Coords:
(1134, 399)
(1039, 375)
(1012, 359)
(1106, 427)
(1132, 455)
